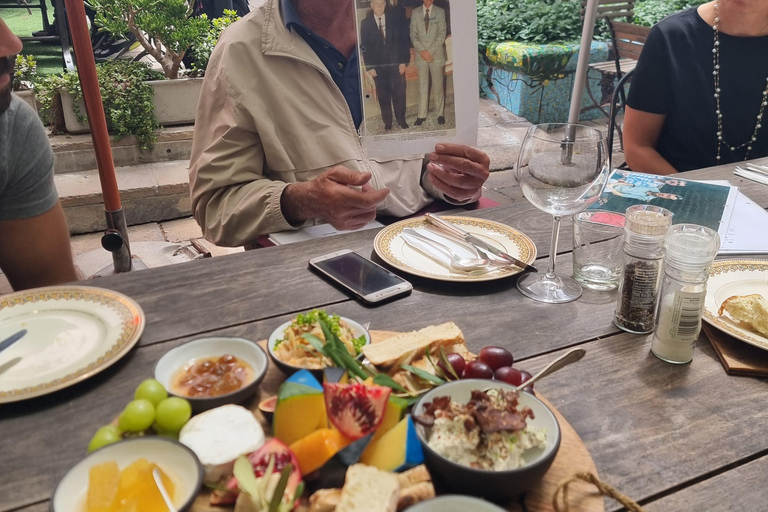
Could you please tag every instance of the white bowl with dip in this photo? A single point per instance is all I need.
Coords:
(177, 461)
(248, 352)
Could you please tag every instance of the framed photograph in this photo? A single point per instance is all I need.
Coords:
(419, 74)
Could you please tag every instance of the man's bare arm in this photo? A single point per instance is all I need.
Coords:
(36, 252)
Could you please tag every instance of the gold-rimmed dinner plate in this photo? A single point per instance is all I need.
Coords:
(74, 332)
(392, 248)
(735, 277)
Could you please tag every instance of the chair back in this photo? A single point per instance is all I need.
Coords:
(628, 39)
(618, 102)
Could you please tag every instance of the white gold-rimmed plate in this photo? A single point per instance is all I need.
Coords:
(73, 333)
(392, 248)
(735, 277)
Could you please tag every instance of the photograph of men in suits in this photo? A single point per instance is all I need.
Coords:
(428, 33)
(386, 51)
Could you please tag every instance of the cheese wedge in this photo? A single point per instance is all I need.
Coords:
(404, 348)
(220, 436)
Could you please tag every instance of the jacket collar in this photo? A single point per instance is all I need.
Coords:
(278, 39)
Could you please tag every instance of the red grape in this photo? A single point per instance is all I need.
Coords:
(509, 375)
(526, 376)
(477, 370)
(456, 361)
(496, 357)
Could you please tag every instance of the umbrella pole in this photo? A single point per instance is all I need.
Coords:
(115, 238)
(580, 80)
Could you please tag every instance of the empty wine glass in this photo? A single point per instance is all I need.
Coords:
(562, 169)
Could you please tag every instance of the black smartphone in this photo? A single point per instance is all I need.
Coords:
(369, 282)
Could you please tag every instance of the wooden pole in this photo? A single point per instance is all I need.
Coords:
(86, 69)
(115, 240)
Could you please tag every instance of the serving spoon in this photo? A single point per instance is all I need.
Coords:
(569, 357)
(429, 247)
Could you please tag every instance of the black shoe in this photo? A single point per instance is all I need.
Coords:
(441, 120)
(403, 125)
(420, 121)
(388, 128)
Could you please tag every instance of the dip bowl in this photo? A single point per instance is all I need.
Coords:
(289, 369)
(497, 486)
(245, 350)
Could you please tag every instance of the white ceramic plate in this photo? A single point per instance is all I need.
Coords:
(74, 332)
(455, 503)
(735, 277)
(391, 247)
(176, 460)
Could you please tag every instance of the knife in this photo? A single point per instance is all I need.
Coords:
(473, 240)
(13, 339)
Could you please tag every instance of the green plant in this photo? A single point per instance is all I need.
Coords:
(165, 28)
(24, 73)
(650, 12)
(204, 49)
(532, 21)
(127, 99)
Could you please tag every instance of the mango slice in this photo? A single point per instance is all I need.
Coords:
(103, 482)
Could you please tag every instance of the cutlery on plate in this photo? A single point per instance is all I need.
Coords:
(163, 492)
(476, 242)
(757, 168)
(569, 357)
(12, 339)
(440, 253)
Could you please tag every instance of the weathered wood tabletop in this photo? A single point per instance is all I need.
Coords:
(672, 437)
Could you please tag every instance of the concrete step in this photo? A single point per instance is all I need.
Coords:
(150, 192)
(74, 153)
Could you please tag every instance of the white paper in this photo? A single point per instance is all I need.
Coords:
(461, 92)
(312, 232)
(748, 230)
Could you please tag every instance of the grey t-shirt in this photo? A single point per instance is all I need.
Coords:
(26, 164)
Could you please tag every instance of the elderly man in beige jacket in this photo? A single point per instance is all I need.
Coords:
(277, 144)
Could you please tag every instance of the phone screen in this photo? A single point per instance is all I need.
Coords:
(358, 273)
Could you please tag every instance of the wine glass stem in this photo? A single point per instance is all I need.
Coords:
(553, 247)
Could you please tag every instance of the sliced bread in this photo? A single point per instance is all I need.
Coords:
(368, 489)
(403, 348)
(750, 311)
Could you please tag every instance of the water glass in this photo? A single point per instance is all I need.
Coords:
(598, 236)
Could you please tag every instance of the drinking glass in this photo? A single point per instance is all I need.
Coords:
(562, 170)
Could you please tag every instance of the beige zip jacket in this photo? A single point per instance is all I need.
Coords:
(269, 115)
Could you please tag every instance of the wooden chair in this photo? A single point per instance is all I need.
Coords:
(627, 42)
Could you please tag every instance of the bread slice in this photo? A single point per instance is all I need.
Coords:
(750, 311)
(368, 489)
(403, 348)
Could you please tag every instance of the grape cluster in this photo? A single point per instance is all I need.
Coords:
(151, 407)
(493, 363)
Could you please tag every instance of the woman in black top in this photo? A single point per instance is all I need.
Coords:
(674, 121)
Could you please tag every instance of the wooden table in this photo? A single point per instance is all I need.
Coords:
(673, 437)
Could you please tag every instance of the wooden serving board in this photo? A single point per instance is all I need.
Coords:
(571, 457)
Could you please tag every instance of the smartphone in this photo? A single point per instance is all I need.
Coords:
(369, 282)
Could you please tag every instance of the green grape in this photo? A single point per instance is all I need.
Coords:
(107, 434)
(151, 390)
(172, 414)
(137, 416)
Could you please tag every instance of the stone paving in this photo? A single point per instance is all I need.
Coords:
(500, 135)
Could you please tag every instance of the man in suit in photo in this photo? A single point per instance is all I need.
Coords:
(386, 51)
(428, 32)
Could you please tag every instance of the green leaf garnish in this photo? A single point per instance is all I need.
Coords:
(382, 379)
(359, 343)
(447, 364)
(422, 374)
(246, 479)
(277, 497)
(313, 340)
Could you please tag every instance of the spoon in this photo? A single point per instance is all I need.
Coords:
(569, 357)
(163, 491)
(427, 246)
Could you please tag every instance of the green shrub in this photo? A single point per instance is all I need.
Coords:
(24, 72)
(127, 100)
(205, 48)
(650, 12)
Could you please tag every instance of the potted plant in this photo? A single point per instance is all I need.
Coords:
(125, 93)
(166, 30)
(24, 77)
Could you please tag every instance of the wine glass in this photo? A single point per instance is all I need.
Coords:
(562, 169)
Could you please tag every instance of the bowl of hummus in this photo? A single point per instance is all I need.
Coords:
(483, 438)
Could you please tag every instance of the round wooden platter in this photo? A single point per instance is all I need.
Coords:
(571, 457)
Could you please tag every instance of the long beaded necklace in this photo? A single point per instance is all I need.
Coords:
(720, 138)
